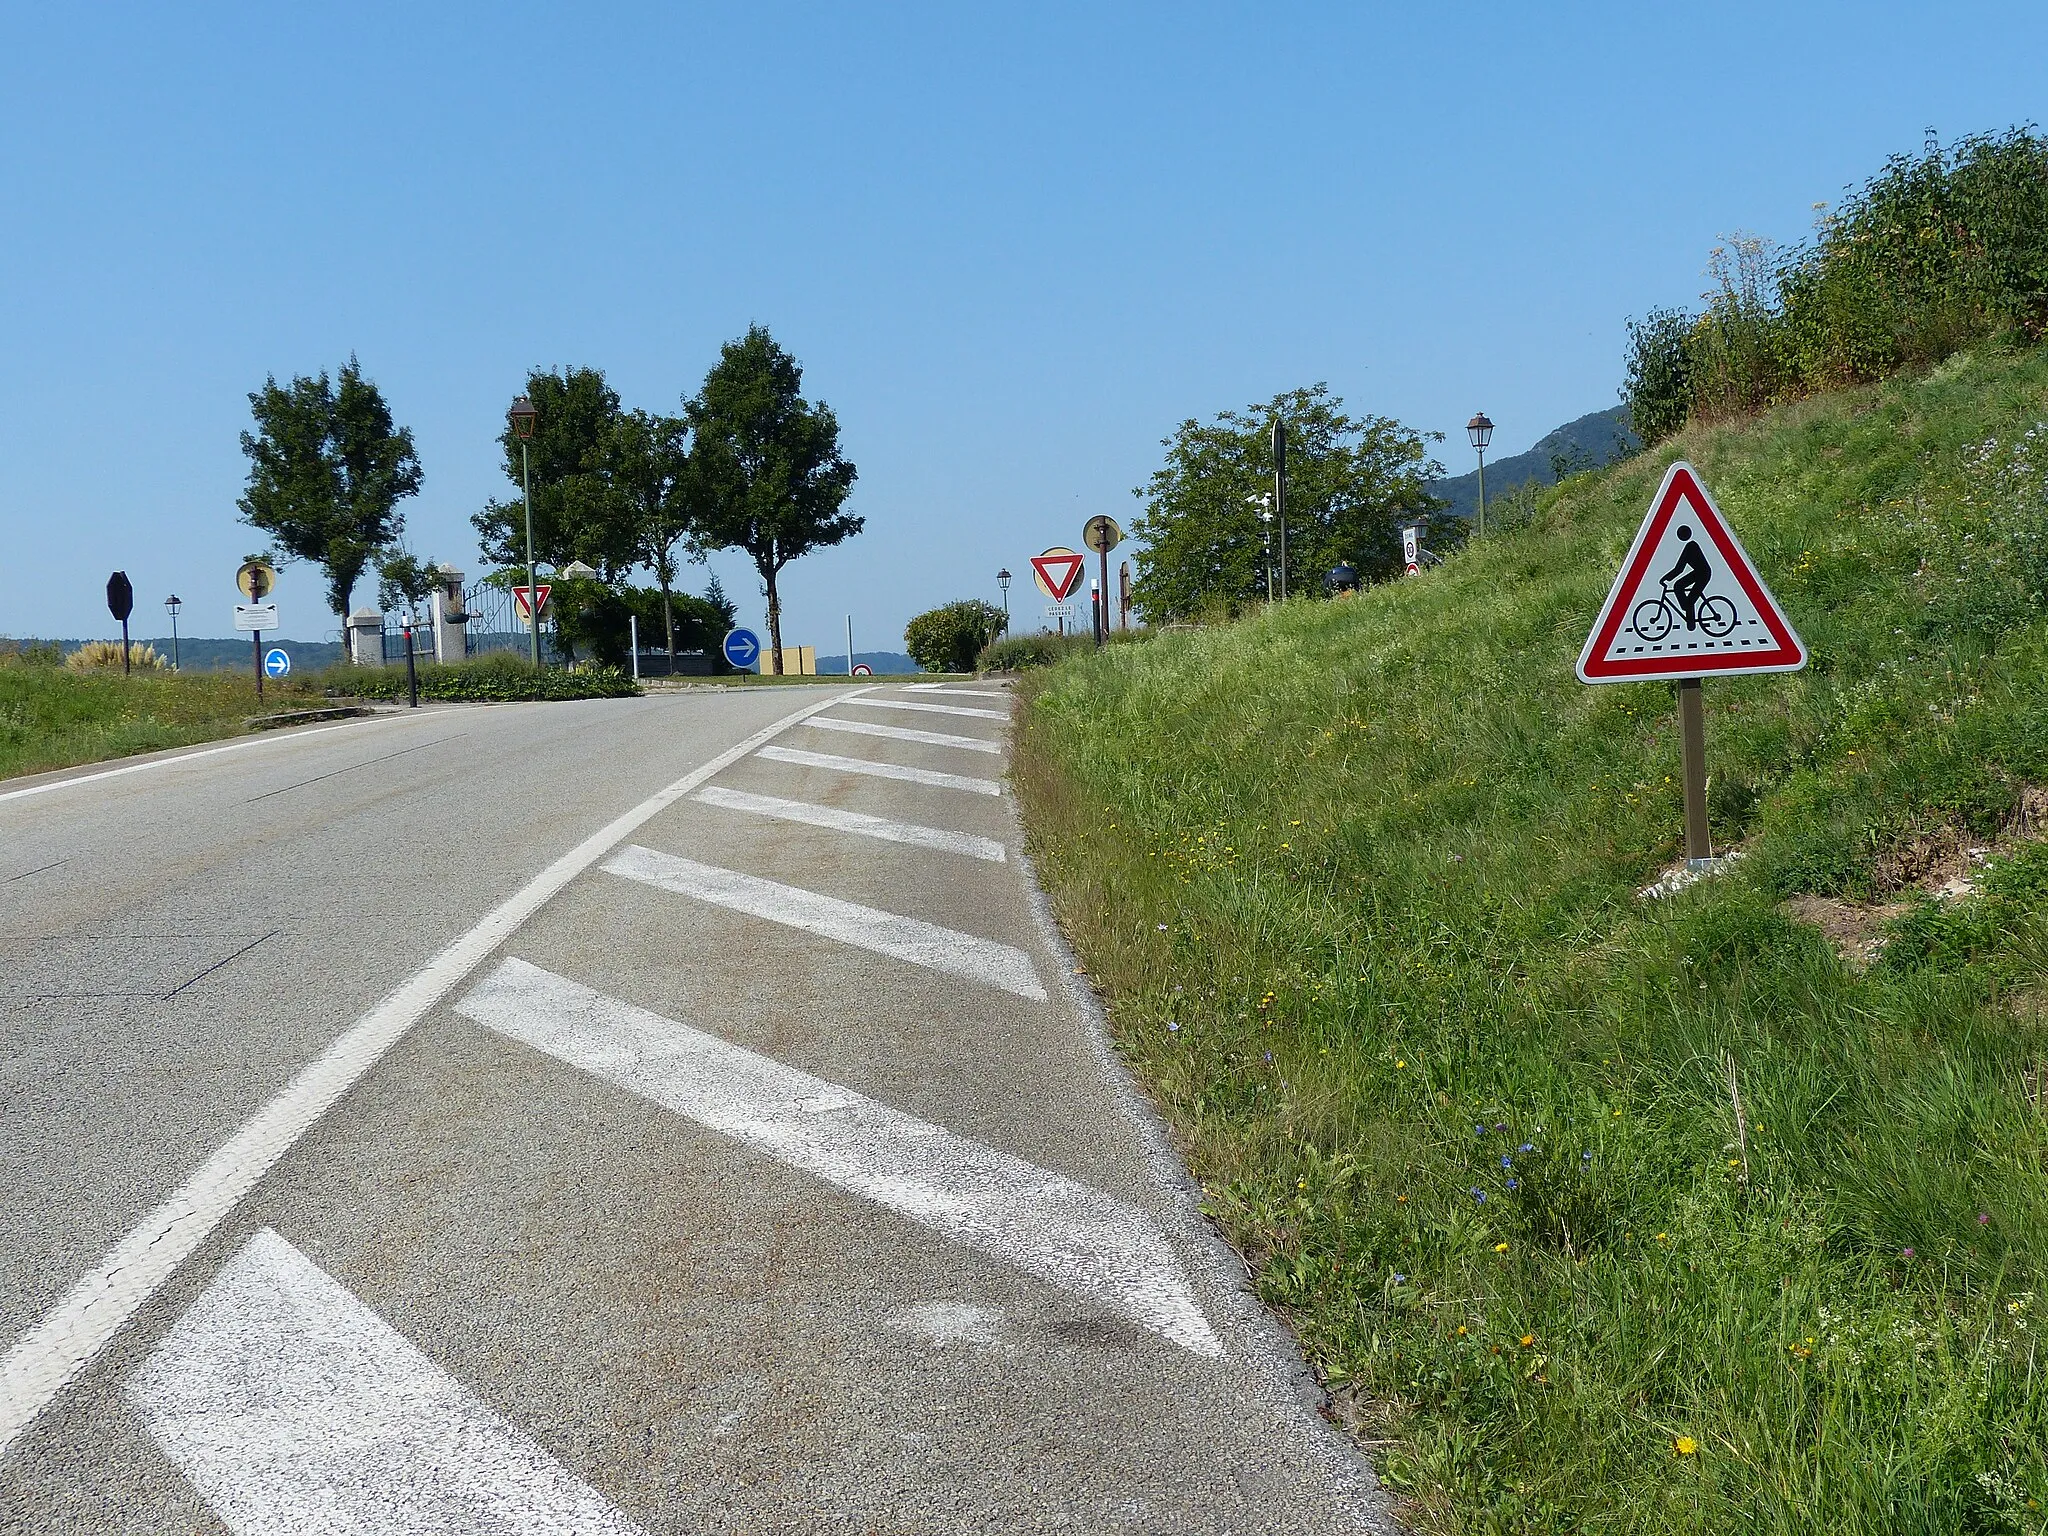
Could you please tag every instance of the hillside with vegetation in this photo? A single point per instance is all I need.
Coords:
(1721, 1211)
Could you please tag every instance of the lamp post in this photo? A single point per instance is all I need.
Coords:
(1480, 430)
(171, 606)
(1003, 581)
(523, 415)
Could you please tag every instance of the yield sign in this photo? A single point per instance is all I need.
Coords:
(526, 605)
(1688, 601)
(1058, 572)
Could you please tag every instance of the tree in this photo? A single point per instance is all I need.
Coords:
(405, 582)
(648, 463)
(1352, 483)
(327, 469)
(772, 479)
(577, 513)
(949, 639)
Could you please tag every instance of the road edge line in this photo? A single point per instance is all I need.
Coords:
(49, 1357)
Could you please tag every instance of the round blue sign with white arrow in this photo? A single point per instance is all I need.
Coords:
(742, 648)
(276, 664)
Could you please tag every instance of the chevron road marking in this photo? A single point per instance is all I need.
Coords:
(292, 1407)
(930, 777)
(1060, 1231)
(884, 933)
(854, 821)
(904, 733)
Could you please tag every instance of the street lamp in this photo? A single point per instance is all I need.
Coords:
(523, 415)
(1480, 430)
(1003, 581)
(171, 606)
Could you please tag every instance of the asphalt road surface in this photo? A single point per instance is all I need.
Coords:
(669, 1115)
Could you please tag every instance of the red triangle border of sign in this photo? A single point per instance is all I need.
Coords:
(1682, 485)
(1060, 592)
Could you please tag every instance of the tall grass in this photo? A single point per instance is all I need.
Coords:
(1600, 1214)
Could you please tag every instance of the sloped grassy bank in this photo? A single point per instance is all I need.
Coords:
(1604, 1214)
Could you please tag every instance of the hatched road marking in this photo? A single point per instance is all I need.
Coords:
(960, 693)
(932, 709)
(292, 1407)
(1048, 1226)
(884, 933)
(904, 733)
(927, 776)
(854, 821)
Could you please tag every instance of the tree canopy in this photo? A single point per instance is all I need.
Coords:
(1352, 483)
(327, 469)
(648, 464)
(768, 467)
(578, 513)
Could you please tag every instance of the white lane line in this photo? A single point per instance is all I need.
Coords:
(904, 733)
(928, 776)
(884, 933)
(1040, 1222)
(45, 1359)
(959, 693)
(292, 1407)
(185, 757)
(854, 821)
(932, 709)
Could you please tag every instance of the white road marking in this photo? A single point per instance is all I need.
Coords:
(904, 733)
(884, 933)
(291, 1407)
(854, 821)
(1047, 1225)
(45, 1359)
(932, 709)
(185, 757)
(963, 693)
(927, 776)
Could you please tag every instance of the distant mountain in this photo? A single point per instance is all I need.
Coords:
(1595, 439)
(884, 663)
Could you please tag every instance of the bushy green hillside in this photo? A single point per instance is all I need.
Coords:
(1606, 1214)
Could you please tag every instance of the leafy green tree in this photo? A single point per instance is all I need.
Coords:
(327, 470)
(577, 511)
(404, 581)
(1352, 483)
(647, 461)
(948, 639)
(769, 469)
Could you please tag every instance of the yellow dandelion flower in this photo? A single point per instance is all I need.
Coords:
(1528, 1341)
(1500, 1247)
(1685, 1445)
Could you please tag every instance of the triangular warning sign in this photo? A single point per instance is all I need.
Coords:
(1059, 572)
(1688, 601)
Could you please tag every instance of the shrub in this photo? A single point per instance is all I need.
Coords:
(948, 639)
(96, 654)
(499, 679)
(1014, 652)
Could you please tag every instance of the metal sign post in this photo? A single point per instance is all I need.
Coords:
(1102, 535)
(255, 579)
(121, 603)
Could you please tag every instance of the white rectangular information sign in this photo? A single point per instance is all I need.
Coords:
(256, 616)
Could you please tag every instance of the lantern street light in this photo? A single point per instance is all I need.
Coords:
(1003, 581)
(1480, 430)
(522, 416)
(171, 606)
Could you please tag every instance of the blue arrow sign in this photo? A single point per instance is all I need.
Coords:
(742, 648)
(276, 664)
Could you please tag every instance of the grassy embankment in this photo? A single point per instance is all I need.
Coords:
(1359, 882)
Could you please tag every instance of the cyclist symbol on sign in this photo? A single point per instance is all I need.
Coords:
(1685, 586)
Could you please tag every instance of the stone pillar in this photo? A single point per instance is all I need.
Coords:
(449, 620)
(366, 638)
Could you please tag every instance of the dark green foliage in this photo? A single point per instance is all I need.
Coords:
(949, 639)
(327, 469)
(768, 476)
(1658, 391)
(579, 513)
(489, 680)
(1012, 653)
(404, 582)
(1352, 482)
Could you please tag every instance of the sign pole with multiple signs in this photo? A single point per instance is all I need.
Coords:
(256, 579)
(1102, 535)
(1058, 572)
(1688, 603)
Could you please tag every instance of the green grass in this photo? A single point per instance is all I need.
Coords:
(1358, 882)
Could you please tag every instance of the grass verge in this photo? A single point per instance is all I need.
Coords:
(1600, 1214)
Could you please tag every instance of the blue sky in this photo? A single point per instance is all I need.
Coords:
(1012, 246)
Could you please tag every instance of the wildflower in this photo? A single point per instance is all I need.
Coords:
(1528, 1341)
(1905, 1253)
(1983, 1218)
(1500, 1127)
(1400, 1199)
(1162, 927)
(1663, 1237)
(1269, 1056)
(1585, 1157)
(1685, 1445)
(1527, 1146)
(1479, 1194)
(1399, 1065)
(1500, 1247)
(1513, 1185)
(1172, 1027)
(1399, 1278)
(1461, 1330)
(1506, 1161)
(1734, 1162)
(1478, 1130)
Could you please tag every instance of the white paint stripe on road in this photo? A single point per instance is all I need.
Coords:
(292, 1407)
(932, 709)
(1042, 1223)
(869, 928)
(904, 733)
(961, 693)
(264, 740)
(927, 776)
(854, 821)
(45, 1359)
